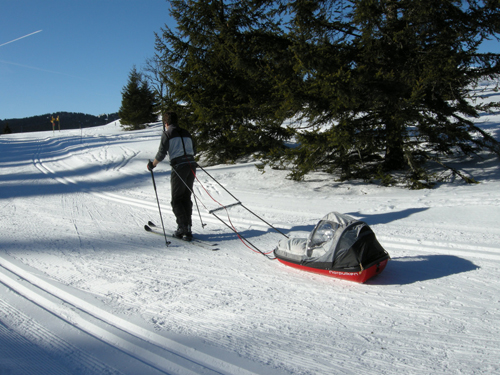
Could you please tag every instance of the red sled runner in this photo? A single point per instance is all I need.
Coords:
(339, 246)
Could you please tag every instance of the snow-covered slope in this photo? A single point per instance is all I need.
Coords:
(85, 290)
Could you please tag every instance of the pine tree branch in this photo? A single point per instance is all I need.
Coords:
(469, 180)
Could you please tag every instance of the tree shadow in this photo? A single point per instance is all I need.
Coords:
(384, 218)
(387, 217)
(413, 269)
(16, 186)
(44, 182)
(368, 219)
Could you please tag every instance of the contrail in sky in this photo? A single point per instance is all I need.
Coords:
(20, 38)
(40, 69)
(32, 67)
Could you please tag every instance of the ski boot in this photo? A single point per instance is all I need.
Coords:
(183, 233)
(188, 236)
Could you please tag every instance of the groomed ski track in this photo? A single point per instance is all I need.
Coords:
(160, 353)
(85, 290)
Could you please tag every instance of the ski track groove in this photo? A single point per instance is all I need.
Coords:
(35, 333)
(199, 360)
(449, 248)
(127, 157)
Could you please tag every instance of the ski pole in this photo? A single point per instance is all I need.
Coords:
(196, 201)
(159, 209)
(199, 213)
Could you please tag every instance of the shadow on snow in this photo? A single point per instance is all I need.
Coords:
(413, 269)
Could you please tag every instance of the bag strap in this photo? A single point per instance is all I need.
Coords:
(182, 140)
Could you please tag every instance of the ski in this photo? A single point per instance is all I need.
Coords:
(153, 225)
(152, 228)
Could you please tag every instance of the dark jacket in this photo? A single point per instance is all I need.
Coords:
(179, 144)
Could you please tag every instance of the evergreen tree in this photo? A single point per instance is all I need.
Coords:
(417, 63)
(218, 64)
(397, 87)
(138, 102)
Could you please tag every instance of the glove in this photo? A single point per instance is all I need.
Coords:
(150, 166)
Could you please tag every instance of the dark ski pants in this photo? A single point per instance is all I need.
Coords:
(181, 183)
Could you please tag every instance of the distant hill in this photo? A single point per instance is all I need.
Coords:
(68, 120)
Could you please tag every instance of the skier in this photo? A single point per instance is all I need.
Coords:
(179, 145)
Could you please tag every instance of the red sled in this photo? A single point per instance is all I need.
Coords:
(339, 246)
(358, 277)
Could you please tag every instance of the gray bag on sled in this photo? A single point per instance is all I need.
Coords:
(338, 245)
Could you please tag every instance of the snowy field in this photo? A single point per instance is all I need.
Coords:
(85, 290)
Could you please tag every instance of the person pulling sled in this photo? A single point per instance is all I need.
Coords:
(179, 145)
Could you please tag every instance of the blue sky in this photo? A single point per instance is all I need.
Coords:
(81, 59)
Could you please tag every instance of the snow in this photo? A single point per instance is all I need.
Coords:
(85, 290)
